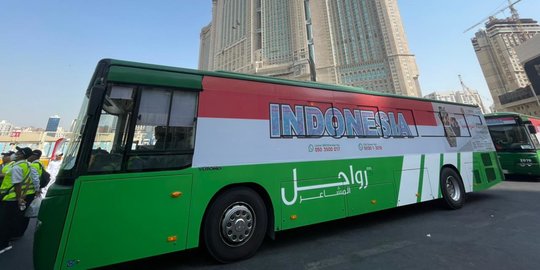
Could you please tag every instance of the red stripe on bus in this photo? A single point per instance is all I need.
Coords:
(230, 98)
(536, 123)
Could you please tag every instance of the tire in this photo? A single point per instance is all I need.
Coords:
(235, 225)
(452, 189)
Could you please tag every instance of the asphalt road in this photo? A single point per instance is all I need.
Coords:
(497, 229)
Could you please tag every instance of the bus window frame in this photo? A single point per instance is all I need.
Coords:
(436, 115)
(361, 107)
(397, 110)
(127, 152)
(450, 114)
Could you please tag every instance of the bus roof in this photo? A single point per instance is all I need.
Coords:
(259, 78)
(523, 117)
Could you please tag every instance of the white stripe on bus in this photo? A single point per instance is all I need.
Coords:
(410, 178)
(222, 142)
(432, 163)
(466, 170)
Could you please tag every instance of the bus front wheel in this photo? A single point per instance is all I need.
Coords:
(452, 189)
(235, 225)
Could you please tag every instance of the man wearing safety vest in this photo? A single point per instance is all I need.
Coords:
(7, 158)
(17, 191)
(36, 169)
(7, 161)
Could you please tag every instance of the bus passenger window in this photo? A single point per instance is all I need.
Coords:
(158, 135)
(164, 130)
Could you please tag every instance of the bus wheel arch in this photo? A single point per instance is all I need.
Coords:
(452, 187)
(236, 221)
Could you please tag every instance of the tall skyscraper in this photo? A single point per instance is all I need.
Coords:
(351, 42)
(204, 50)
(495, 48)
(52, 123)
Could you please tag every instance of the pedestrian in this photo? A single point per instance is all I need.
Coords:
(17, 192)
(7, 161)
(36, 169)
(54, 167)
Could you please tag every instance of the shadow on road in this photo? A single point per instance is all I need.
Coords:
(514, 178)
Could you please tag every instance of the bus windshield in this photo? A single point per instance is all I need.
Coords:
(511, 138)
(74, 141)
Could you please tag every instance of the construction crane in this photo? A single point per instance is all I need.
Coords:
(475, 95)
(515, 15)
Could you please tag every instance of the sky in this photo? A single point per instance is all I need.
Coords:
(49, 49)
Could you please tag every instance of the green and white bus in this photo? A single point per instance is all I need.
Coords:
(166, 159)
(516, 138)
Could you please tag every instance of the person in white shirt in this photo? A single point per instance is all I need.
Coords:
(53, 168)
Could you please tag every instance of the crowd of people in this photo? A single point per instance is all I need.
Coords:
(19, 186)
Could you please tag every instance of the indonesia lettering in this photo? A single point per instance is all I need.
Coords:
(311, 121)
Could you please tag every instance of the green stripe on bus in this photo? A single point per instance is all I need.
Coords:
(440, 167)
(459, 162)
(421, 181)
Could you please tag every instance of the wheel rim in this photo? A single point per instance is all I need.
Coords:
(237, 224)
(452, 187)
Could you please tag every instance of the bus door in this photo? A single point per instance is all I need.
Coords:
(133, 201)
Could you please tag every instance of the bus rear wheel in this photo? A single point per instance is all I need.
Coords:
(235, 225)
(452, 189)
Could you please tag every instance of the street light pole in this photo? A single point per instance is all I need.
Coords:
(309, 30)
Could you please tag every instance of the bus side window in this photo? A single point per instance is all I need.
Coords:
(165, 130)
(459, 124)
(437, 130)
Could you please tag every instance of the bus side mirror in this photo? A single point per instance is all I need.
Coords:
(532, 129)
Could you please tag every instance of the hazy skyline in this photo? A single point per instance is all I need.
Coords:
(49, 49)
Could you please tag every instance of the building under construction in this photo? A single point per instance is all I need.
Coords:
(495, 47)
